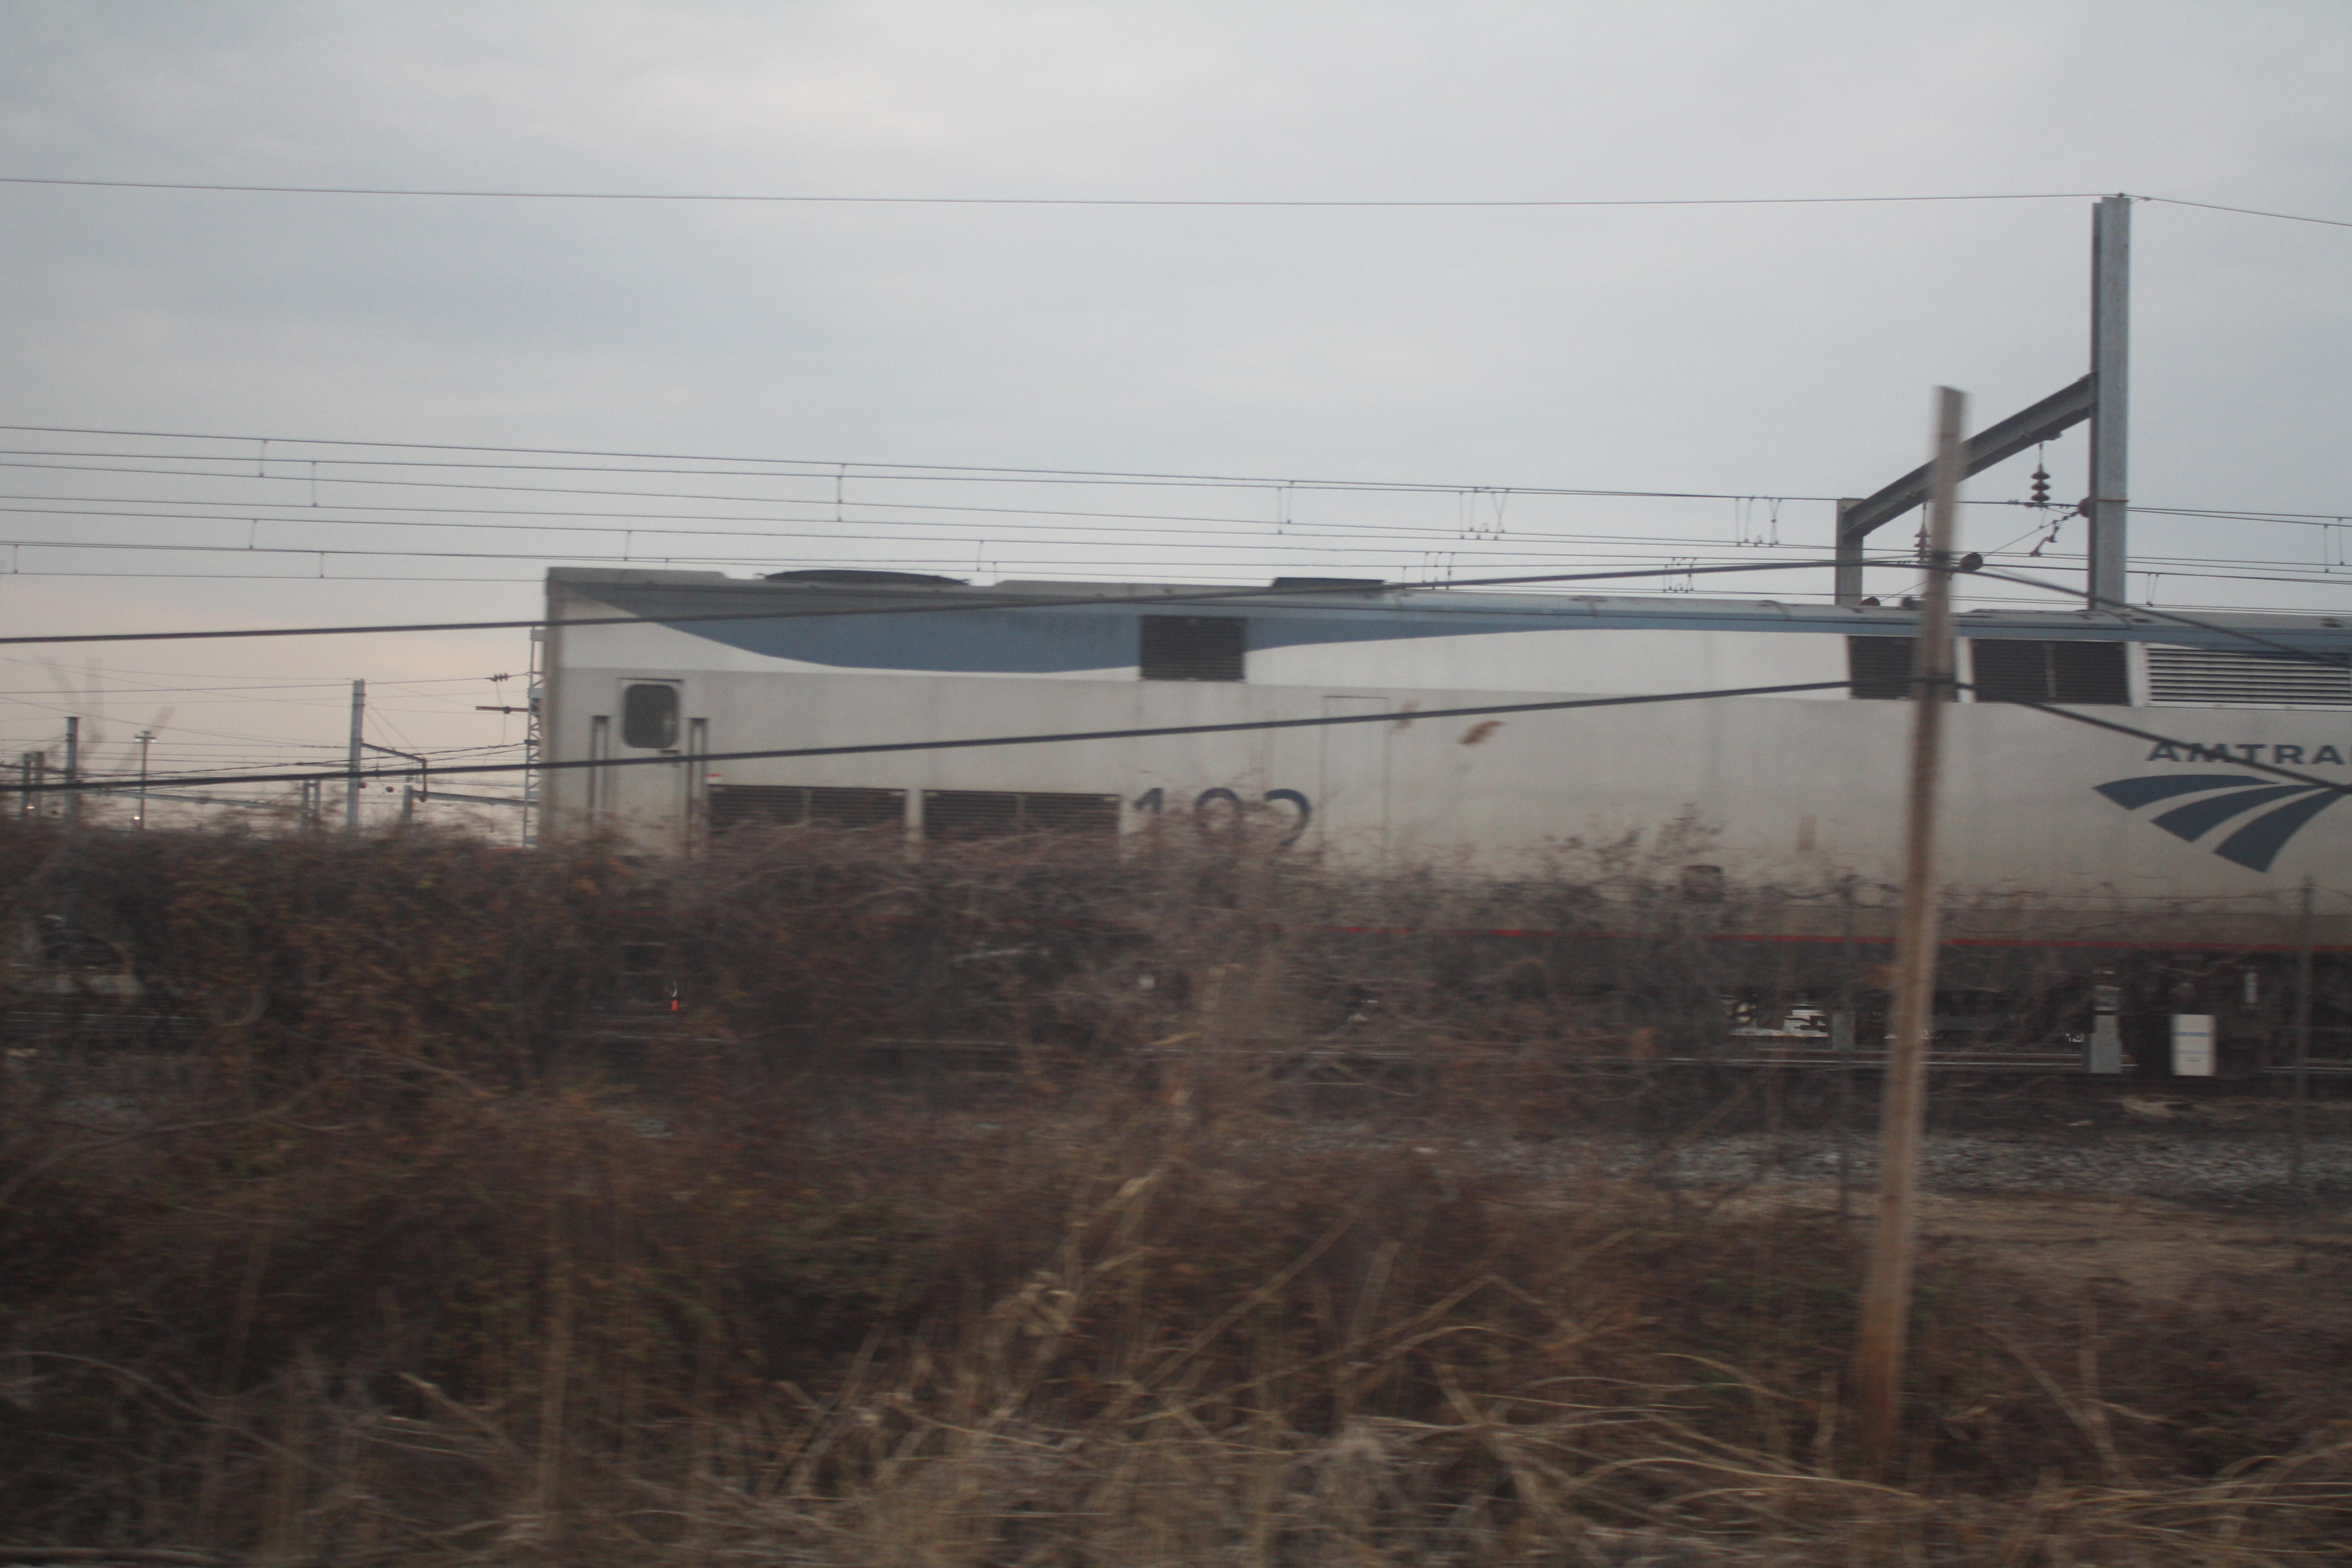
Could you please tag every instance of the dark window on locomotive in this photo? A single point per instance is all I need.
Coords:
(2014, 671)
(1192, 648)
(791, 806)
(952, 816)
(1879, 667)
(649, 716)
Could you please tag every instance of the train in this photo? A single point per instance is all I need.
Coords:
(2115, 778)
(1802, 774)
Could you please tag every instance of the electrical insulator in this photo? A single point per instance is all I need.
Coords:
(2041, 487)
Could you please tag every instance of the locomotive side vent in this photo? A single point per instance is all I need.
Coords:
(1880, 667)
(2235, 678)
(960, 815)
(792, 805)
(1192, 648)
(2082, 674)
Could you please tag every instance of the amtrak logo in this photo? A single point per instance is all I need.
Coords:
(2276, 811)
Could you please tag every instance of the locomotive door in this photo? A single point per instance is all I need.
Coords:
(1351, 802)
(648, 801)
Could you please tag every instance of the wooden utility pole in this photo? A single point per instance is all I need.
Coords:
(1886, 1294)
(351, 768)
(73, 772)
(2297, 1176)
(146, 738)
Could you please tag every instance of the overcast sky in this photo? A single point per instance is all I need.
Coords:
(1748, 351)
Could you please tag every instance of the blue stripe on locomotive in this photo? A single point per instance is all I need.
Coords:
(1009, 639)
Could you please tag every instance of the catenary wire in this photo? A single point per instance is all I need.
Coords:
(1241, 587)
(1514, 491)
(2095, 600)
(1169, 731)
(984, 741)
(1039, 602)
(2186, 568)
(264, 442)
(1027, 201)
(1299, 537)
(1101, 523)
(1278, 203)
(823, 471)
(297, 512)
(2100, 602)
(2248, 212)
(2217, 609)
(1043, 602)
(968, 473)
(1335, 542)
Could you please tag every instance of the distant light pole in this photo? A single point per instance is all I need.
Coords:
(73, 772)
(144, 737)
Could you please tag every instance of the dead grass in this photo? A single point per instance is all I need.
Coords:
(1099, 1332)
(386, 1272)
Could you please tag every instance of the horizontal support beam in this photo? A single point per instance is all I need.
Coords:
(2057, 412)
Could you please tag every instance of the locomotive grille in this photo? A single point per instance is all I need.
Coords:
(957, 816)
(793, 806)
(2233, 677)
(2009, 670)
(1880, 667)
(1192, 648)
(2006, 669)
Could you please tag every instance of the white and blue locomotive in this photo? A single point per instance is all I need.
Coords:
(685, 670)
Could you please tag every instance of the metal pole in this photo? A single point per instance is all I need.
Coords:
(1841, 1042)
(2111, 383)
(1846, 577)
(351, 777)
(146, 737)
(73, 772)
(531, 733)
(2294, 1167)
(1886, 1294)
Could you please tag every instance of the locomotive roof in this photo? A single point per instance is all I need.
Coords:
(664, 594)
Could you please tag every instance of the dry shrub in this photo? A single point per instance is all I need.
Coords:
(390, 1268)
(1101, 1332)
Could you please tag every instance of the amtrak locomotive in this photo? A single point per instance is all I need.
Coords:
(2155, 810)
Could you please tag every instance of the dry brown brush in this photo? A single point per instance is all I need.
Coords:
(449, 1238)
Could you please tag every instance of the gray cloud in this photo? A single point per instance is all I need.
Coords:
(1749, 350)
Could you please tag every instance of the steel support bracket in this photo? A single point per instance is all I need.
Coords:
(2060, 411)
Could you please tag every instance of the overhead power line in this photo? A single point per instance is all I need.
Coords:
(809, 200)
(1156, 731)
(832, 469)
(2248, 212)
(815, 477)
(1374, 202)
(2099, 601)
(982, 741)
(1043, 602)
(646, 546)
(1050, 601)
(1500, 493)
(650, 554)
